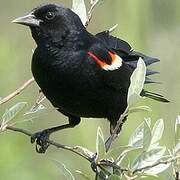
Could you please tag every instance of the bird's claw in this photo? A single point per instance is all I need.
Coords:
(41, 139)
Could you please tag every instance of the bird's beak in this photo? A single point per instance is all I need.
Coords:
(27, 20)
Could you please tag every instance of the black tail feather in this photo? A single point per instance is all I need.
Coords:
(150, 81)
(133, 59)
(147, 59)
(151, 72)
(154, 96)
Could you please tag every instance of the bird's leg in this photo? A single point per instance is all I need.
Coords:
(114, 135)
(111, 137)
(113, 126)
(41, 137)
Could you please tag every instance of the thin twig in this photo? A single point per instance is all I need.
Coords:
(18, 91)
(53, 143)
(41, 97)
(89, 15)
(156, 164)
(113, 165)
(113, 28)
(91, 160)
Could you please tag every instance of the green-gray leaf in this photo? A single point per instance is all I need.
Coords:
(79, 8)
(177, 129)
(148, 121)
(177, 148)
(11, 113)
(96, 2)
(177, 122)
(136, 139)
(148, 158)
(38, 109)
(126, 154)
(68, 175)
(137, 81)
(157, 131)
(168, 175)
(139, 109)
(83, 175)
(116, 152)
(100, 144)
(114, 177)
(146, 136)
(133, 99)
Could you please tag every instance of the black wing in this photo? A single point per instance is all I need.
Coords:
(130, 57)
(124, 50)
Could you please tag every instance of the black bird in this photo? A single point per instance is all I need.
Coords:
(82, 75)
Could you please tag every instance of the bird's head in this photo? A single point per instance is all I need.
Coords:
(52, 21)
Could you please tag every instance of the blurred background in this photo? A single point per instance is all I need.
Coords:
(152, 27)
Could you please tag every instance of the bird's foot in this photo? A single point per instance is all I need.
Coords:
(41, 139)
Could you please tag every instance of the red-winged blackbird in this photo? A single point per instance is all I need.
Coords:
(82, 75)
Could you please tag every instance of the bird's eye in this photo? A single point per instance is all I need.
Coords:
(50, 16)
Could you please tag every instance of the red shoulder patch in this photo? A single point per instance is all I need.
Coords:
(98, 61)
(116, 61)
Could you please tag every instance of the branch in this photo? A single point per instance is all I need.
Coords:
(156, 164)
(74, 150)
(17, 92)
(41, 97)
(92, 159)
(61, 146)
(53, 143)
(113, 165)
(89, 15)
